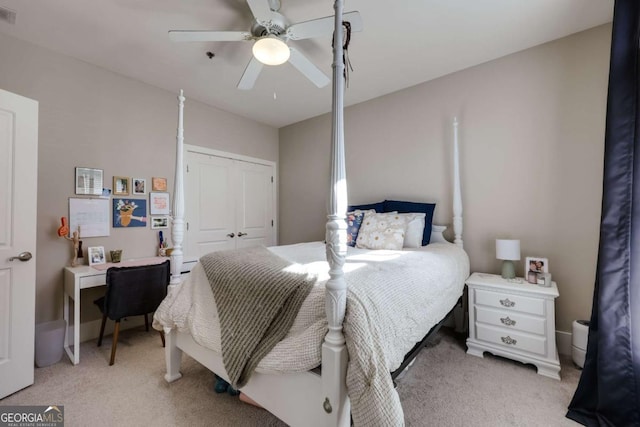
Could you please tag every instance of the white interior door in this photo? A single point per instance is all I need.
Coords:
(18, 196)
(254, 212)
(210, 204)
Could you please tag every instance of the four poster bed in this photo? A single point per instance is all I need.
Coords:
(364, 310)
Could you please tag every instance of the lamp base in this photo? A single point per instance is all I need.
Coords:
(508, 270)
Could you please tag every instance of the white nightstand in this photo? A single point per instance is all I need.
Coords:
(514, 320)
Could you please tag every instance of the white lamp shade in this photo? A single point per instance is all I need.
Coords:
(508, 249)
(271, 50)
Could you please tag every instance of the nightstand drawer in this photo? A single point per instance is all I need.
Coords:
(510, 302)
(511, 320)
(512, 339)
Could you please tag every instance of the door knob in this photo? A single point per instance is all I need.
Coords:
(232, 235)
(240, 234)
(23, 256)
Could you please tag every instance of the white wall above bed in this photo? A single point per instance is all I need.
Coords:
(531, 142)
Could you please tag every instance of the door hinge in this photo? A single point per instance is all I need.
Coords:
(187, 226)
(272, 223)
(187, 168)
(271, 179)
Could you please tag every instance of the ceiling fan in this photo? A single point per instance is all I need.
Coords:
(271, 32)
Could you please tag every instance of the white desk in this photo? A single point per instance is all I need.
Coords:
(83, 277)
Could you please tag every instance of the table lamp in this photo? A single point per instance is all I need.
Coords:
(508, 251)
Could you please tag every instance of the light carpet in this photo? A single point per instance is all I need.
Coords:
(444, 387)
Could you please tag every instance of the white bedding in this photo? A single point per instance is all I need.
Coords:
(394, 298)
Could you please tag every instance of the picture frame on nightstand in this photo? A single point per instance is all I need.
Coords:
(534, 266)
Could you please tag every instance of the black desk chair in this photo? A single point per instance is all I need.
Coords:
(132, 291)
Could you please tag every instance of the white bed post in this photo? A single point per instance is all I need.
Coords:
(457, 196)
(173, 354)
(177, 228)
(334, 352)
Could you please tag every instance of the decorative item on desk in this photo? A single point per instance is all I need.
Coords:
(508, 251)
(96, 255)
(534, 266)
(63, 230)
(116, 255)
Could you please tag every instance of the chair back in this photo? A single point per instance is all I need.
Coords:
(134, 291)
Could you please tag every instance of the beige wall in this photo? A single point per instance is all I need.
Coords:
(531, 134)
(92, 117)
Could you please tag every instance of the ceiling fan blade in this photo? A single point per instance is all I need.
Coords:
(250, 74)
(260, 9)
(208, 36)
(322, 26)
(308, 69)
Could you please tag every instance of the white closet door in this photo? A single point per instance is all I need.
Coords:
(210, 200)
(254, 198)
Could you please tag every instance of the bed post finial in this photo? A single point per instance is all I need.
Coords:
(457, 196)
(177, 226)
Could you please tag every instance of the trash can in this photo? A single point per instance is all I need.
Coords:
(49, 342)
(579, 338)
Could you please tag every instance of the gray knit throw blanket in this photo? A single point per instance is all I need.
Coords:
(257, 302)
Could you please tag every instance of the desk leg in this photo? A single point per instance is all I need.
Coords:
(74, 355)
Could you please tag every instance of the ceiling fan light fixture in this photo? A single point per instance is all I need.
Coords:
(270, 50)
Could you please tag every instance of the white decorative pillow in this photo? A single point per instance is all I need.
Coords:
(382, 231)
(415, 229)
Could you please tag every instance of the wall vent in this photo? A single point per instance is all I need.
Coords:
(7, 15)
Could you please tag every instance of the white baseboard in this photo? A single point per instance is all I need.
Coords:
(563, 342)
(91, 330)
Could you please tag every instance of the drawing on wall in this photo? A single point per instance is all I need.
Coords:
(129, 213)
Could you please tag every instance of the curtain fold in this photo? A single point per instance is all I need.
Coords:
(608, 393)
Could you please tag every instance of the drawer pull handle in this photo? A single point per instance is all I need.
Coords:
(508, 340)
(507, 302)
(507, 321)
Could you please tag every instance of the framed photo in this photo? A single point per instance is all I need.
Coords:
(120, 186)
(139, 186)
(89, 181)
(158, 184)
(533, 267)
(96, 255)
(159, 203)
(159, 222)
(129, 212)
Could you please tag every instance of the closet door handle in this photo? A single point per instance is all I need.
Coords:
(232, 235)
(240, 234)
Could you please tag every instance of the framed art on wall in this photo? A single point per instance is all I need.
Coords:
(89, 181)
(120, 186)
(129, 212)
(158, 184)
(139, 186)
(159, 222)
(159, 203)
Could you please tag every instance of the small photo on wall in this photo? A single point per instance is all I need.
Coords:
(129, 212)
(159, 222)
(158, 184)
(120, 185)
(139, 185)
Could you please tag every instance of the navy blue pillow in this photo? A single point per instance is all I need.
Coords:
(407, 207)
(354, 221)
(379, 207)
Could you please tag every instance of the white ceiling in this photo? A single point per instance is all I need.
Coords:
(404, 43)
